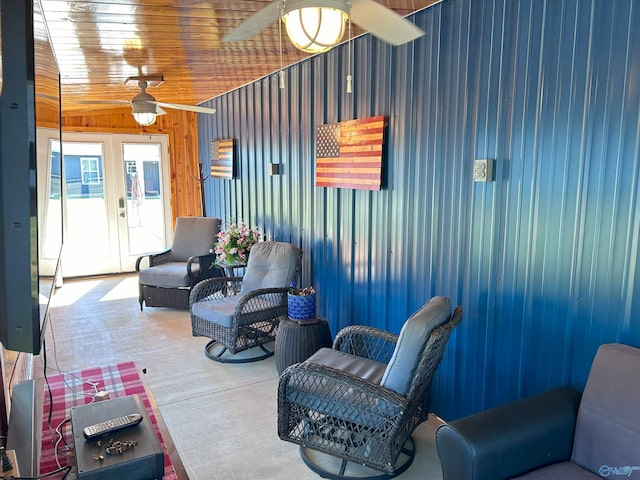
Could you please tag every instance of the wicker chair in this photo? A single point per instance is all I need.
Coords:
(171, 274)
(361, 400)
(238, 314)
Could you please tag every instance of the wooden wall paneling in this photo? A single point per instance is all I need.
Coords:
(182, 129)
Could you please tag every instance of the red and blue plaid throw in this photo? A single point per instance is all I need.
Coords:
(78, 388)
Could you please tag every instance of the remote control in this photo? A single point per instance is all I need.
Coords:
(112, 425)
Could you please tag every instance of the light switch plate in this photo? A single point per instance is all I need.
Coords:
(483, 170)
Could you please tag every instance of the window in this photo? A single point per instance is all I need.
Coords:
(90, 170)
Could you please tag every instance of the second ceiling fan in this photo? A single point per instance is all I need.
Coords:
(145, 107)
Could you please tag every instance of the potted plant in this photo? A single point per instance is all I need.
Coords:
(302, 303)
(234, 243)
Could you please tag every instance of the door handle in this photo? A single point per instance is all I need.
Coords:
(121, 204)
(122, 214)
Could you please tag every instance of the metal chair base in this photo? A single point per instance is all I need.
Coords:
(409, 450)
(218, 356)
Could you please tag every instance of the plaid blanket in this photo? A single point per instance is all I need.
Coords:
(78, 388)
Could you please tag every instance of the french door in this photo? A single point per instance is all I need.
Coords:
(117, 201)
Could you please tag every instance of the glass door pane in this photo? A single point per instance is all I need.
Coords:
(145, 201)
(145, 208)
(90, 244)
(116, 209)
(49, 200)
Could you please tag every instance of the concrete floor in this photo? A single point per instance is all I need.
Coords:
(222, 418)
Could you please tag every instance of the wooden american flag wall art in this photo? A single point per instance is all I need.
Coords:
(222, 158)
(349, 154)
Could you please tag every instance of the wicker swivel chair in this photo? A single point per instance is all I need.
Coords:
(171, 274)
(240, 313)
(361, 400)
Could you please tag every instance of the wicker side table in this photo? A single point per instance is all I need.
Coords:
(297, 340)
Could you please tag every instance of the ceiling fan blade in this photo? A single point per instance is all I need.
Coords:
(383, 23)
(160, 111)
(190, 108)
(105, 102)
(255, 23)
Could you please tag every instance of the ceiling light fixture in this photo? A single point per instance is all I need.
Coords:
(144, 112)
(145, 118)
(315, 26)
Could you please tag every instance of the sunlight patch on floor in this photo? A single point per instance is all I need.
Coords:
(127, 288)
(71, 292)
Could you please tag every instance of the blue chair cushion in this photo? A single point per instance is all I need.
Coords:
(564, 471)
(608, 425)
(358, 366)
(411, 342)
(193, 236)
(221, 310)
(270, 265)
(338, 399)
(167, 275)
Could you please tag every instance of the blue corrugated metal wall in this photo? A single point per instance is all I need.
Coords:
(544, 260)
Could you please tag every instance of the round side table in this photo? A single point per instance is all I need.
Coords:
(297, 340)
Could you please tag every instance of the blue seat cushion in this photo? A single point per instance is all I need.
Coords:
(167, 275)
(557, 471)
(193, 237)
(411, 343)
(608, 425)
(270, 265)
(221, 311)
(338, 399)
(358, 366)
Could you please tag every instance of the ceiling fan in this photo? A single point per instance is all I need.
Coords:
(145, 107)
(368, 14)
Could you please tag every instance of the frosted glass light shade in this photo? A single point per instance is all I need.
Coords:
(315, 29)
(144, 118)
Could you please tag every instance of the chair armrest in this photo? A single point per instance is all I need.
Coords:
(341, 394)
(367, 342)
(510, 440)
(154, 258)
(208, 268)
(211, 286)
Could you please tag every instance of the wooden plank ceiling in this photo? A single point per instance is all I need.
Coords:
(99, 43)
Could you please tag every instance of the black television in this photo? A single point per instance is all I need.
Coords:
(31, 211)
(30, 175)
